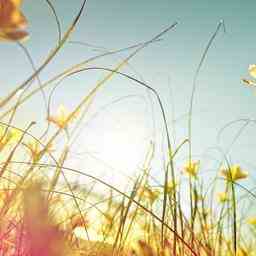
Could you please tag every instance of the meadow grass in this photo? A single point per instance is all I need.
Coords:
(44, 213)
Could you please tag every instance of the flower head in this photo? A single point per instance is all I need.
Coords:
(233, 173)
(191, 168)
(35, 149)
(252, 72)
(150, 194)
(12, 22)
(222, 197)
(154, 195)
(251, 221)
(172, 186)
(242, 252)
(62, 117)
(9, 136)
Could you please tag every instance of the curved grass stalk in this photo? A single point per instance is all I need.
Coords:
(209, 44)
(9, 159)
(234, 218)
(5, 208)
(31, 61)
(52, 54)
(166, 130)
(98, 86)
(221, 24)
(82, 173)
(63, 74)
(56, 19)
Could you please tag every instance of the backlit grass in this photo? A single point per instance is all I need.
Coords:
(45, 212)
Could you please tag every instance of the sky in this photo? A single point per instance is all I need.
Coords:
(116, 134)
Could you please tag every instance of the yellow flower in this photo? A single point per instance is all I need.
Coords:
(172, 186)
(153, 195)
(12, 21)
(36, 149)
(251, 221)
(9, 136)
(208, 227)
(62, 118)
(233, 173)
(191, 168)
(108, 222)
(252, 72)
(149, 193)
(222, 197)
(242, 252)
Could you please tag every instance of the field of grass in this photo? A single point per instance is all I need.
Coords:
(45, 213)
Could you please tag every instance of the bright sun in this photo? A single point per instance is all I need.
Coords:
(114, 152)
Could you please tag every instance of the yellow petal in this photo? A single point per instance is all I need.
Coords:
(242, 252)
(233, 173)
(191, 168)
(252, 70)
(17, 3)
(62, 118)
(12, 22)
(251, 221)
(17, 35)
(222, 197)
